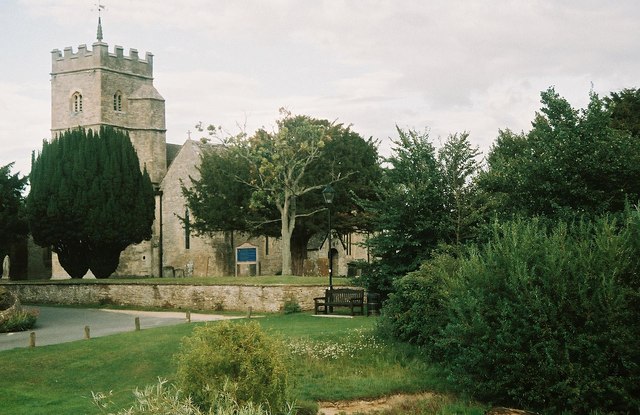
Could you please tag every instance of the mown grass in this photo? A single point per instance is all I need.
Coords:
(332, 359)
(252, 281)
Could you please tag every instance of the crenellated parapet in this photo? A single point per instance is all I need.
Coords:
(99, 57)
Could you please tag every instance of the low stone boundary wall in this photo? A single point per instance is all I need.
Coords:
(269, 298)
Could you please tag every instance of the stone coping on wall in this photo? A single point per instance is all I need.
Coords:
(261, 298)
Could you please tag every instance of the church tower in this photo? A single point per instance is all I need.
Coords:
(94, 87)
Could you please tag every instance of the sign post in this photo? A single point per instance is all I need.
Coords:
(247, 254)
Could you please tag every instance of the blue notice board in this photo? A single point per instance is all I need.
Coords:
(246, 254)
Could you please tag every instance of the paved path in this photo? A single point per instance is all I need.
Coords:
(61, 325)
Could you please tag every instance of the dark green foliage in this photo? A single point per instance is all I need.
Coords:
(625, 110)
(571, 163)
(460, 166)
(13, 224)
(541, 318)
(225, 197)
(89, 200)
(238, 359)
(416, 311)
(353, 163)
(409, 215)
(219, 199)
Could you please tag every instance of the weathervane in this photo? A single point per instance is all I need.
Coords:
(100, 7)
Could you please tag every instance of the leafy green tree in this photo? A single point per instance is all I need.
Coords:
(13, 224)
(250, 184)
(625, 110)
(279, 162)
(219, 199)
(410, 215)
(355, 162)
(89, 200)
(572, 162)
(460, 167)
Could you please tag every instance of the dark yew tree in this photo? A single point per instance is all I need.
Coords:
(13, 224)
(89, 200)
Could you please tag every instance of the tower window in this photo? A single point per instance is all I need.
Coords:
(117, 101)
(76, 100)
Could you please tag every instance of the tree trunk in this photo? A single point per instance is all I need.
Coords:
(286, 248)
(288, 219)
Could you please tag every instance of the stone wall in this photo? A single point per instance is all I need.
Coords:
(192, 297)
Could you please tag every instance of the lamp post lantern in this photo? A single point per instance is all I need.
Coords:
(328, 193)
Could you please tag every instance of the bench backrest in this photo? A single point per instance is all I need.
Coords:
(344, 295)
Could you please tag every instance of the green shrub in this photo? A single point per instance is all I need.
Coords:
(291, 306)
(548, 319)
(19, 321)
(238, 359)
(416, 311)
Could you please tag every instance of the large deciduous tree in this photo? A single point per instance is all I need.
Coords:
(460, 167)
(409, 216)
(13, 224)
(252, 184)
(572, 162)
(89, 200)
(426, 199)
(278, 163)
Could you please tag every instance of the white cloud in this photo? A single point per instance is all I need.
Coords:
(23, 125)
(449, 65)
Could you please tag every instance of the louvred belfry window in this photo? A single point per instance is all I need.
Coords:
(117, 101)
(76, 101)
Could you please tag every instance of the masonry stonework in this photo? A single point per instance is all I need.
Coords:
(117, 89)
(192, 297)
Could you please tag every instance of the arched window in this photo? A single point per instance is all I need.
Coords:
(117, 101)
(76, 100)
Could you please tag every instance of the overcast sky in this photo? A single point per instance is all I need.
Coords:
(446, 65)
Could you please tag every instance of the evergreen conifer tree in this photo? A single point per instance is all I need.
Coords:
(13, 225)
(89, 200)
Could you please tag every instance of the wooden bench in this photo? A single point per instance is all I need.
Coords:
(340, 297)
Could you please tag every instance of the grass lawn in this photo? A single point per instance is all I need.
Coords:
(333, 359)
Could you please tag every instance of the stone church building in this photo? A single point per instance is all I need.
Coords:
(95, 86)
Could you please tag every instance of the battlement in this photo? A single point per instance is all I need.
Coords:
(99, 57)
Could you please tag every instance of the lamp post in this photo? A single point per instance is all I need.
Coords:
(328, 193)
